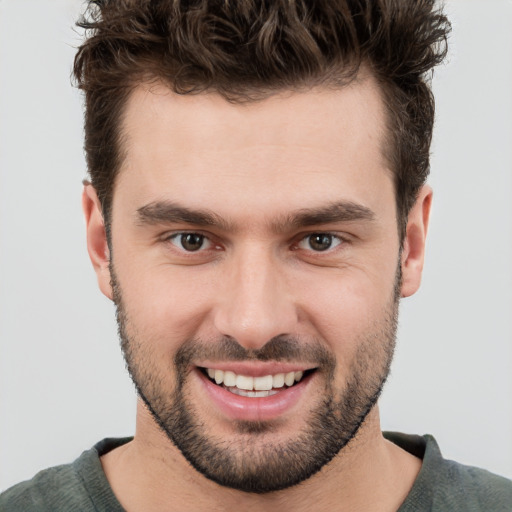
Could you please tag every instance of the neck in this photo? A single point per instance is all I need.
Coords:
(369, 474)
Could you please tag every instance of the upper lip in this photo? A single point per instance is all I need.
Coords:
(257, 369)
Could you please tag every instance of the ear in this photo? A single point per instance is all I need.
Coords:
(413, 251)
(97, 239)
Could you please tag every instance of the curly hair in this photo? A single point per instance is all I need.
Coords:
(247, 50)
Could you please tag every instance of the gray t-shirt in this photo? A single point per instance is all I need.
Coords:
(441, 486)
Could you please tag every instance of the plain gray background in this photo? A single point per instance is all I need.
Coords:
(63, 385)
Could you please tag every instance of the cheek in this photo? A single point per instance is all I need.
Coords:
(347, 299)
(347, 309)
(163, 304)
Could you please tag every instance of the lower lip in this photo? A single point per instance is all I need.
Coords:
(245, 408)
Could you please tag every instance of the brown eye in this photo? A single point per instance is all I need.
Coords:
(192, 241)
(319, 242)
(189, 242)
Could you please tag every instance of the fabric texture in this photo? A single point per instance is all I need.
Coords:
(447, 486)
(441, 486)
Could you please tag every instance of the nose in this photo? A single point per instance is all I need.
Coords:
(255, 303)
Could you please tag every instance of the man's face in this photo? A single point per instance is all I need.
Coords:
(255, 246)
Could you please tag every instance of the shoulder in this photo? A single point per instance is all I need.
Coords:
(81, 485)
(475, 488)
(57, 488)
(444, 484)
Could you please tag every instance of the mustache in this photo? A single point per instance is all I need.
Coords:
(279, 348)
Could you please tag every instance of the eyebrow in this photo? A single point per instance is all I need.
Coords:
(342, 211)
(167, 212)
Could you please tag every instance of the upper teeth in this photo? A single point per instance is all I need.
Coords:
(265, 383)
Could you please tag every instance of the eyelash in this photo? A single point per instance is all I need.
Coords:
(176, 239)
(179, 236)
(339, 240)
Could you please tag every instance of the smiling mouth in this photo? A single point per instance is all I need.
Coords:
(255, 387)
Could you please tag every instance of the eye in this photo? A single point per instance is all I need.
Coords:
(319, 242)
(190, 242)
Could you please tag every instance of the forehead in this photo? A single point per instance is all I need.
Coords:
(291, 147)
(299, 117)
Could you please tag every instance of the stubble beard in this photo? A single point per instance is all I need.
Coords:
(254, 459)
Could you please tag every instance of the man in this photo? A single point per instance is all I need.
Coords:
(257, 207)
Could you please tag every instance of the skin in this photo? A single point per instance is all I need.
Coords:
(255, 166)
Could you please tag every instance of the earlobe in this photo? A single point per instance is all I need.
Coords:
(97, 245)
(413, 252)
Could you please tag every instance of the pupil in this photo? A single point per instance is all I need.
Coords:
(320, 242)
(192, 241)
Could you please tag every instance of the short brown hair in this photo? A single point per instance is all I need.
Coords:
(249, 49)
